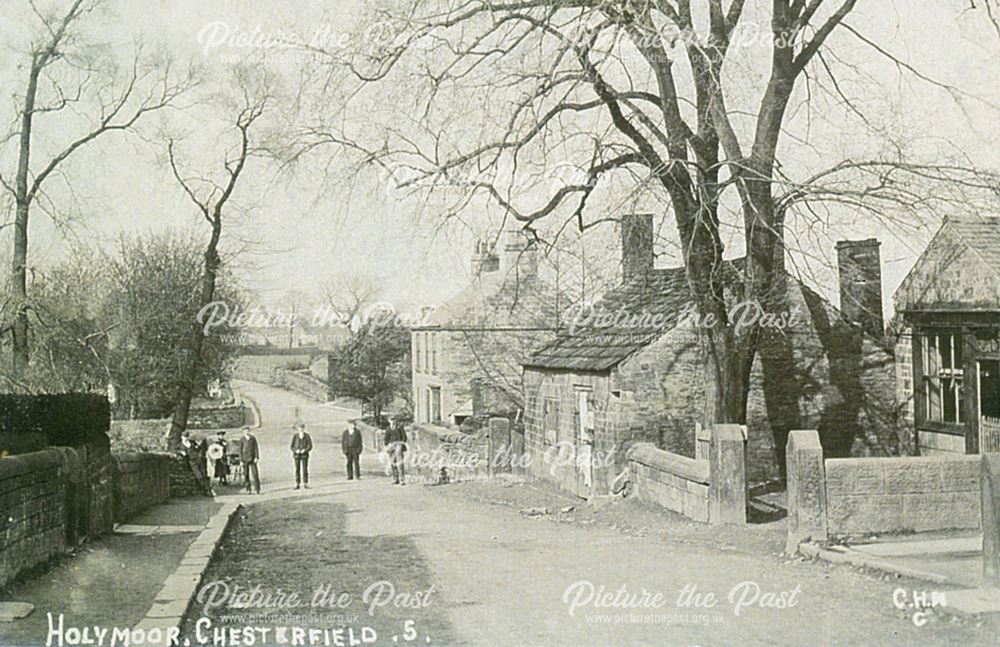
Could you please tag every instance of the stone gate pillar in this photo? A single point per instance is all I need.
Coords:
(991, 518)
(806, 481)
(727, 489)
(499, 448)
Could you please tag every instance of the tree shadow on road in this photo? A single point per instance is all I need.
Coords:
(301, 546)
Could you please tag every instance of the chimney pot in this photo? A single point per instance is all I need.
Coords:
(484, 261)
(519, 252)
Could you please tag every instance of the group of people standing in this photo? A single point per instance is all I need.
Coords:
(209, 459)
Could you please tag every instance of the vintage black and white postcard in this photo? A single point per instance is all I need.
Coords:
(499, 322)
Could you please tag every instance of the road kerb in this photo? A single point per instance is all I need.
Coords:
(179, 589)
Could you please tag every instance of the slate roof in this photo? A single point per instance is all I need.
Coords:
(982, 234)
(958, 271)
(597, 348)
(657, 302)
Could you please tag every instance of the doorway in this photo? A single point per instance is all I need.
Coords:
(989, 406)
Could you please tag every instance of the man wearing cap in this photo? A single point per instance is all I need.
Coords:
(302, 444)
(351, 445)
(249, 455)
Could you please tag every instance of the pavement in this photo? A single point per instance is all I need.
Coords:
(111, 581)
(952, 561)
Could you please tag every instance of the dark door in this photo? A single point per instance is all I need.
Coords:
(989, 406)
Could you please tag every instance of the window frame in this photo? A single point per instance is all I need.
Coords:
(944, 372)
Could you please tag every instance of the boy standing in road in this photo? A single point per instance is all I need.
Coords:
(395, 445)
(302, 444)
(249, 455)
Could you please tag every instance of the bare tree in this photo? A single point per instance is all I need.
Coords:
(293, 305)
(349, 294)
(211, 195)
(63, 78)
(636, 91)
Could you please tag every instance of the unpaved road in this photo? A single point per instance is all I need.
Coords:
(502, 578)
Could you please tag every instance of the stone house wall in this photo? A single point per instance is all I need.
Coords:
(477, 366)
(821, 373)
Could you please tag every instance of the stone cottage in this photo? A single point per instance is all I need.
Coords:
(466, 358)
(592, 393)
(948, 345)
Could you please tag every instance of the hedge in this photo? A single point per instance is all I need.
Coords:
(64, 419)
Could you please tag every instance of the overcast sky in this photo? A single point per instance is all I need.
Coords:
(296, 232)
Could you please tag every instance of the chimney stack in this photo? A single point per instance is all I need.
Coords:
(484, 260)
(637, 246)
(860, 267)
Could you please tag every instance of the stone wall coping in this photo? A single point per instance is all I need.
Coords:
(135, 461)
(446, 435)
(805, 439)
(20, 464)
(688, 468)
(847, 463)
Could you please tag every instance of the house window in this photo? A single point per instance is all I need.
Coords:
(427, 352)
(435, 410)
(942, 378)
(550, 416)
(427, 405)
(434, 352)
(417, 359)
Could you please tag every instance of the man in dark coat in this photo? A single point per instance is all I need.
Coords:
(302, 444)
(249, 455)
(351, 444)
(395, 445)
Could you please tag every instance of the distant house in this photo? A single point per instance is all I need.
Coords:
(949, 346)
(596, 391)
(466, 356)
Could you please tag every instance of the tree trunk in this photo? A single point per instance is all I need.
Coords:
(192, 360)
(22, 198)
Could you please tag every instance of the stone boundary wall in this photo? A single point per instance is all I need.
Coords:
(141, 480)
(226, 416)
(464, 456)
(709, 489)
(859, 496)
(33, 492)
(302, 382)
(255, 373)
(669, 480)
(877, 495)
(371, 435)
(53, 499)
(182, 481)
